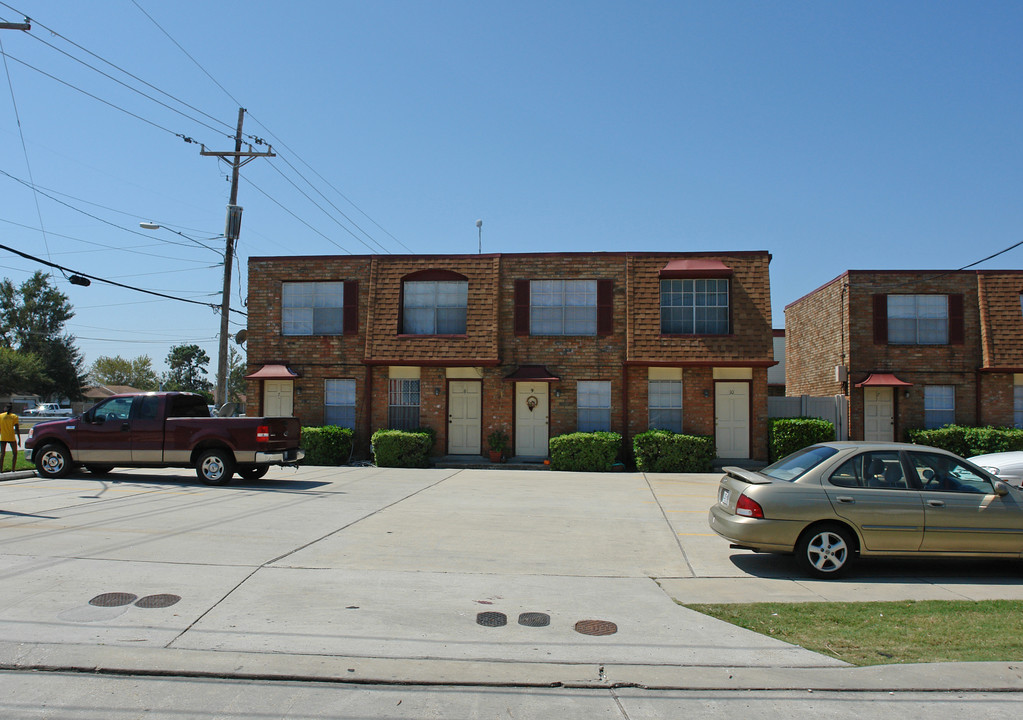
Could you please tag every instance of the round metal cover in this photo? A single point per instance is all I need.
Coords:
(596, 627)
(114, 599)
(157, 601)
(534, 619)
(491, 619)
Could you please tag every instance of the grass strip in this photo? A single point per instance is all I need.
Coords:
(877, 633)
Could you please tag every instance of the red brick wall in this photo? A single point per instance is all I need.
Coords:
(815, 341)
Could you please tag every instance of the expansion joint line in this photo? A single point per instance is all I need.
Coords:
(664, 514)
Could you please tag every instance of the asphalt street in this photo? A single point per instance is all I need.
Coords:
(503, 584)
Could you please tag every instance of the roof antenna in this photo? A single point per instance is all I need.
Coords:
(479, 227)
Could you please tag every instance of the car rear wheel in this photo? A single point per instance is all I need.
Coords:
(215, 467)
(826, 551)
(253, 472)
(53, 461)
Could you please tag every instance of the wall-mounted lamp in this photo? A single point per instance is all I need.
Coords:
(907, 393)
(706, 393)
(298, 391)
(557, 393)
(436, 391)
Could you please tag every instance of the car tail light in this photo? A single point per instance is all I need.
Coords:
(263, 433)
(748, 508)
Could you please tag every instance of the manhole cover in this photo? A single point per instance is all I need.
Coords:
(491, 619)
(157, 601)
(115, 599)
(596, 627)
(535, 619)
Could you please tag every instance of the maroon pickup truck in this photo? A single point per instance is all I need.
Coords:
(163, 430)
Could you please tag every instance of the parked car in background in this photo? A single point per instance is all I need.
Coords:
(1008, 466)
(49, 410)
(831, 503)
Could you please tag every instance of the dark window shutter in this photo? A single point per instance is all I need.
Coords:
(350, 322)
(522, 307)
(605, 307)
(880, 319)
(956, 321)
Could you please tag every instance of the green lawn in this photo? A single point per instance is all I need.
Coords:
(876, 633)
(22, 465)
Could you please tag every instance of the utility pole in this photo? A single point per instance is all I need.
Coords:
(27, 25)
(232, 230)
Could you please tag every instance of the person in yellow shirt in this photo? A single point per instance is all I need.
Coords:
(9, 432)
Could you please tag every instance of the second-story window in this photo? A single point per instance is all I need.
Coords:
(918, 319)
(694, 306)
(563, 307)
(434, 307)
(312, 308)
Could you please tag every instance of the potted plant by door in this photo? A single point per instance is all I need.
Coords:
(497, 442)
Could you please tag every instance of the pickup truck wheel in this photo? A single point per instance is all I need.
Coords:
(99, 469)
(215, 467)
(53, 461)
(253, 472)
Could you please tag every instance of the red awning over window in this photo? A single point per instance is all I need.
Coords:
(526, 373)
(883, 380)
(273, 372)
(696, 268)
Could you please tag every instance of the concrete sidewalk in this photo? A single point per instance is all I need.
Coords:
(446, 576)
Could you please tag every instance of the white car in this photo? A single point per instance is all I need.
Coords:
(49, 410)
(1008, 466)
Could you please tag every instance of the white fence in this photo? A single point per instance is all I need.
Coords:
(834, 409)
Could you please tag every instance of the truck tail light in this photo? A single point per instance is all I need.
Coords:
(748, 508)
(263, 433)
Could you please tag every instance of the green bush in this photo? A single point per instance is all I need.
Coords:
(668, 452)
(968, 441)
(327, 445)
(398, 448)
(585, 452)
(786, 435)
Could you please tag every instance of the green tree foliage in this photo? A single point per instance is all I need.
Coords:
(20, 372)
(237, 368)
(32, 320)
(187, 372)
(136, 372)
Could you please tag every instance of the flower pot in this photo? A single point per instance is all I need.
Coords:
(495, 456)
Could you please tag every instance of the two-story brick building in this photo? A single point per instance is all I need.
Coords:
(911, 349)
(536, 345)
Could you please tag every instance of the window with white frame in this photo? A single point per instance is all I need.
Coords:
(694, 306)
(339, 403)
(665, 403)
(563, 307)
(593, 403)
(435, 307)
(312, 308)
(403, 404)
(1017, 406)
(939, 406)
(918, 319)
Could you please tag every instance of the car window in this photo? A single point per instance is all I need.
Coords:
(942, 473)
(798, 463)
(113, 409)
(148, 407)
(876, 469)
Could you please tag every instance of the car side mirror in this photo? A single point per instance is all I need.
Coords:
(1001, 489)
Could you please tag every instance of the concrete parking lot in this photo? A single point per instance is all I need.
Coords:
(360, 574)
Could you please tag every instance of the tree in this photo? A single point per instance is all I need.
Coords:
(236, 371)
(32, 319)
(137, 372)
(20, 372)
(188, 370)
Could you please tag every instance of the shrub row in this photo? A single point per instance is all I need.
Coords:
(403, 449)
(585, 452)
(786, 435)
(663, 451)
(327, 445)
(968, 441)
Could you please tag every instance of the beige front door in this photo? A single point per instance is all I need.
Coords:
(464, 417)
(531, 410)
(878, 420)
(278, 398)
(731, 421)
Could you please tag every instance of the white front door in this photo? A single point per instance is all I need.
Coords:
(464, 417)
(278, 400)
(531, 419)
(878, 419)
(731, 421)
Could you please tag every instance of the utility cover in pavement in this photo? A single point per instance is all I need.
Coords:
(491, 619)
(535, 619)
(596, 627)
(114, 599)
(158, 601)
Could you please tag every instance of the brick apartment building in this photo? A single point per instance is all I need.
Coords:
(911, 349)
(536, 345)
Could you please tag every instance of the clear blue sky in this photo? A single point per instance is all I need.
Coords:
(835, 135)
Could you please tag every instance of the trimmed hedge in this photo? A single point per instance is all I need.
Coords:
(327, 445)
(585, 452)
(786, 435)
(969, 441)
(663, 451)
(402, 449)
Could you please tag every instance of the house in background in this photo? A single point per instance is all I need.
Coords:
(536, 345)
(911, 349)
(776, 373)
